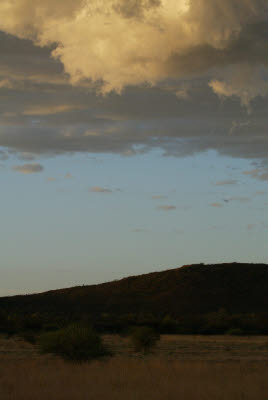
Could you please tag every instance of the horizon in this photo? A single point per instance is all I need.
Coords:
(134, 276)
(133, 136)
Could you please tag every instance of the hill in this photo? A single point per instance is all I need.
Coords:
(190, 289)
(186, 292)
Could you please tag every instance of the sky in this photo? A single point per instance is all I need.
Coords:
(133, 138)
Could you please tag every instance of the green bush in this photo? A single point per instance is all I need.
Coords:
(144, 339)
(75, 343)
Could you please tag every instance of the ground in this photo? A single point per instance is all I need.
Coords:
(180, 368)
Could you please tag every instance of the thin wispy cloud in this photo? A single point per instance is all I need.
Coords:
(166, 207)
(159, 197)
(226, 182)
(250, 227)
(28, 168)
(51, 179)
(99, 189)
(3, 155)
(240, 199)
(216, 205)
(260, 193)
(24, 156)
(258, 173)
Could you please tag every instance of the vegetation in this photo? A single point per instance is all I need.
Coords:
(182, 367)
(196, 299)
(75, 343)
(120, 379)
(144, 339)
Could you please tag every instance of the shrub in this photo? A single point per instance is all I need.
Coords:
(28, 336)
(75, 342)
(144, 339)
(235, 331)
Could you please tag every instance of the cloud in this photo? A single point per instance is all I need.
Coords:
(24, 156)
(216, 205)
(225, 182)
(260, 174)
(52, 109)
(260, 193)
(263, 176)
(159, 197)
(180, 60)
(99, 189)
(28, 168)
(240, 199)
(68, 176)
(3, 155)
(139, 230)
(166, 207)
(51, 179)
(251, 226)
(243, 81)
(168, 38)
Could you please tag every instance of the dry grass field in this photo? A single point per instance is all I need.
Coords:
(197, 347)
(181, 367)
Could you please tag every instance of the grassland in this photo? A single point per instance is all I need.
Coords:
(181, 367)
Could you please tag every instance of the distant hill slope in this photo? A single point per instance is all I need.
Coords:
(192, 289)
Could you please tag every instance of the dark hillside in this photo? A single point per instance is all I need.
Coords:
(189, 290)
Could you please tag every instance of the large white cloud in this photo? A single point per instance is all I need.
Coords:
(130, 42)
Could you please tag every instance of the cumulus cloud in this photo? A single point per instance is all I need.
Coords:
(28, 168)
(164, 38)
(243, 81)
(166, 207)
(172, 61)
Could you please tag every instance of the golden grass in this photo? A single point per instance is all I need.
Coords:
(126, 379)
(177, 347)
(180, 368)
(196, 347)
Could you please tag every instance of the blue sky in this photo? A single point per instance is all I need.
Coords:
(58, 232)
